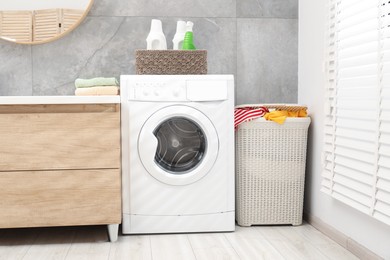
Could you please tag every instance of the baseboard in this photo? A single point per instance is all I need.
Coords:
(348, 243)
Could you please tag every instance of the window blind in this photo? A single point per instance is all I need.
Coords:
(356, 157)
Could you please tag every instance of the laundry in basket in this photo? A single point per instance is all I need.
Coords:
(247, 113)
(274, 112)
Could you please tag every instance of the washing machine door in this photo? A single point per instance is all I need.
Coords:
(178, 145)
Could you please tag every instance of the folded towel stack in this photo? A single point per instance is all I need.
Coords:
(97, 87)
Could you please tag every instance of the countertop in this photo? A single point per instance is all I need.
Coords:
(34, 100)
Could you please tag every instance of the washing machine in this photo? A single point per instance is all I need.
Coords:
(177, 153)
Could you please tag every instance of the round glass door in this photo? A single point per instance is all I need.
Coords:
(181, 145)
(178, 145)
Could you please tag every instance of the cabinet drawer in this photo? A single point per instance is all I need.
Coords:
(60, 198)
(53, 141)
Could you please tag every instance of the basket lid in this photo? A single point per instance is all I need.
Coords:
(287, 107)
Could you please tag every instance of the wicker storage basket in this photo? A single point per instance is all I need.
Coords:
(270, 171)
(170, 62)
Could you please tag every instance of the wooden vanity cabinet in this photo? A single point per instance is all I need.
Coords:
(59, 165)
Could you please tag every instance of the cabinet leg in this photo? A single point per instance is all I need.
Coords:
(112, 230)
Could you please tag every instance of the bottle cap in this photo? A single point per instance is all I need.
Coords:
(156, 26)
(181, 27)
(189, 26)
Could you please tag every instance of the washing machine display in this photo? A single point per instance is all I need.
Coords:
(181, 145)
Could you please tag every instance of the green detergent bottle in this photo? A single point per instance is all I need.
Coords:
(188, 43)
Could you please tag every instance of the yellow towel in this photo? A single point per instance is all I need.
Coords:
(98, 91)
(280, 116)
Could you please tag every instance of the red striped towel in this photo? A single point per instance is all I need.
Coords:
(245, 114)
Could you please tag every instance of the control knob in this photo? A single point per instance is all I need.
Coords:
(176, 92)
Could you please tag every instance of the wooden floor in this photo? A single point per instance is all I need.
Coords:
(260, 242)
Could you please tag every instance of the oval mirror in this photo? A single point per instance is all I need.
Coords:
(40, 21)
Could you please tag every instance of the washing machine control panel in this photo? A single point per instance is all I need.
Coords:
(158, 91)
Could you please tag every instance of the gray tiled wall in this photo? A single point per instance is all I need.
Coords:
(256, 40)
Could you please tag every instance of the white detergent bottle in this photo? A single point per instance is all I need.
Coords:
(179, 36)
(156, 38)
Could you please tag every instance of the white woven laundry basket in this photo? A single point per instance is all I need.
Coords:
(270, 171)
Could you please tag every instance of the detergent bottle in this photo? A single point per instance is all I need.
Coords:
(156, 38)
(179, 36)
(188, 43)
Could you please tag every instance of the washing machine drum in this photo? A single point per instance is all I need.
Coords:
(178, 148)
(181, 145)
